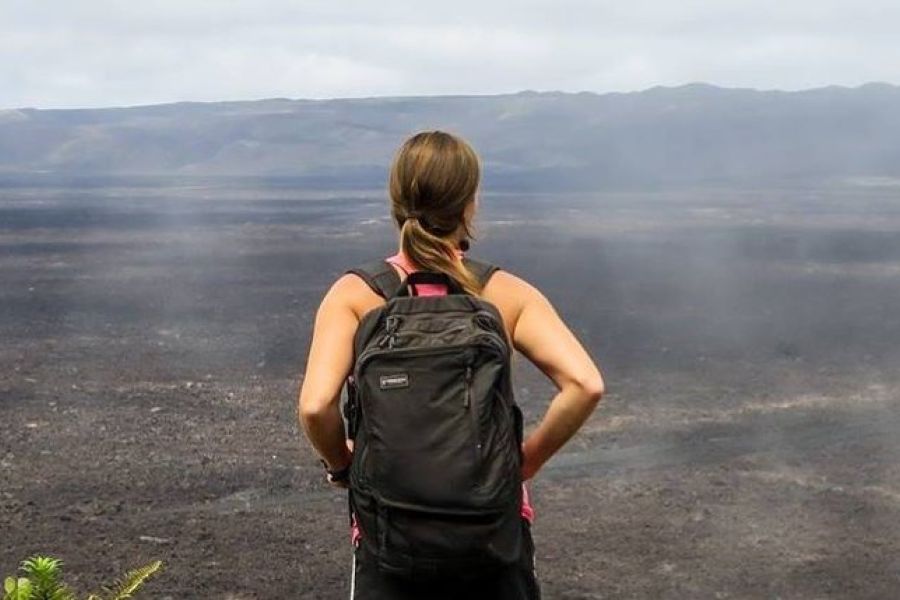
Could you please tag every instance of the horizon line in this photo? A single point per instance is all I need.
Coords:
(528, 91)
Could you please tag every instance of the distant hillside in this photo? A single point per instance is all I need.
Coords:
(691, 134)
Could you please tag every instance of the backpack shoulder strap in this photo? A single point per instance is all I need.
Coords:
(481, 269)
(379, 275)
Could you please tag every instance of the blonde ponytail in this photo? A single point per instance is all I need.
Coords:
(434, 177)
(433, 253)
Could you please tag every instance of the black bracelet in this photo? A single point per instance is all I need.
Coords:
(339, 476)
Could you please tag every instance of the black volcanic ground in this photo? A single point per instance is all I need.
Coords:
(154, 337)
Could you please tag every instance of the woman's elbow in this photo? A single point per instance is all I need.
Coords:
(311, 411)
(593, 389)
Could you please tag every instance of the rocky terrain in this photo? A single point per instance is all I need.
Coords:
(154, 338)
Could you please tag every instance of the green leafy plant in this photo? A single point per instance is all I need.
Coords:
(43, 581)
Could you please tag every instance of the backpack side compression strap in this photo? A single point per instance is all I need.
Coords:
(384, 281)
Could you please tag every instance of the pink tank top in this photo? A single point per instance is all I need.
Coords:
(436, 289)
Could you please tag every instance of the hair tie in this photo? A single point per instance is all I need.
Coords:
(413, 214)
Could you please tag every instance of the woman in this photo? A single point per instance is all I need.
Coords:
(433, 189)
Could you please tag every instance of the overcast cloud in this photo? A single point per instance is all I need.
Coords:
(64, 53)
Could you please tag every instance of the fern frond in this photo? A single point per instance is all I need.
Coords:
(125, 587)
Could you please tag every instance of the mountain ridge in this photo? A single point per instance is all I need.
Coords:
(691, 133)
(526, 92)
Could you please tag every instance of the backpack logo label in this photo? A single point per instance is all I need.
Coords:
(396, 380)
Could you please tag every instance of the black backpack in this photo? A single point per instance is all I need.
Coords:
(435, 481)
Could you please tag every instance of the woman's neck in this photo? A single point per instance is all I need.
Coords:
(456, 249)
(403, 256)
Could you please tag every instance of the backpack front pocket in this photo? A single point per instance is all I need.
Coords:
(423, 439)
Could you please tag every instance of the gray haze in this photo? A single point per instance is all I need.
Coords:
(555, 141)
(106, 53)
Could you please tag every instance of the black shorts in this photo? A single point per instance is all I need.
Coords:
(518, 582)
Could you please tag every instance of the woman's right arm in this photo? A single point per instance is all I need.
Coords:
(541, 335)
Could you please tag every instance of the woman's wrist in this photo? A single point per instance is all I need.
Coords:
(340, 465)
(530, 461)
(337, 475)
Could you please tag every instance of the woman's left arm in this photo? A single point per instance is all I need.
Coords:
(328, 364)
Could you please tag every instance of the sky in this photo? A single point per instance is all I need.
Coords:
(92, 53)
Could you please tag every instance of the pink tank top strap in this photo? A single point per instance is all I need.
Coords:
(421, 289)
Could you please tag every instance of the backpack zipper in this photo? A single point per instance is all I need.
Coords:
(473, 413)
(468, 398)
(492, 341)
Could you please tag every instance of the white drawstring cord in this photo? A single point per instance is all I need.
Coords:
(353, 576)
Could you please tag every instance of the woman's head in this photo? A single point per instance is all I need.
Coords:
(433, 186)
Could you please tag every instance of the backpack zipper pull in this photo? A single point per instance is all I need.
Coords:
(392, 322)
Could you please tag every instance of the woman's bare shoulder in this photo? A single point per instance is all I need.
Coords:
(513, 287)
(510, 293)
(351, 290)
